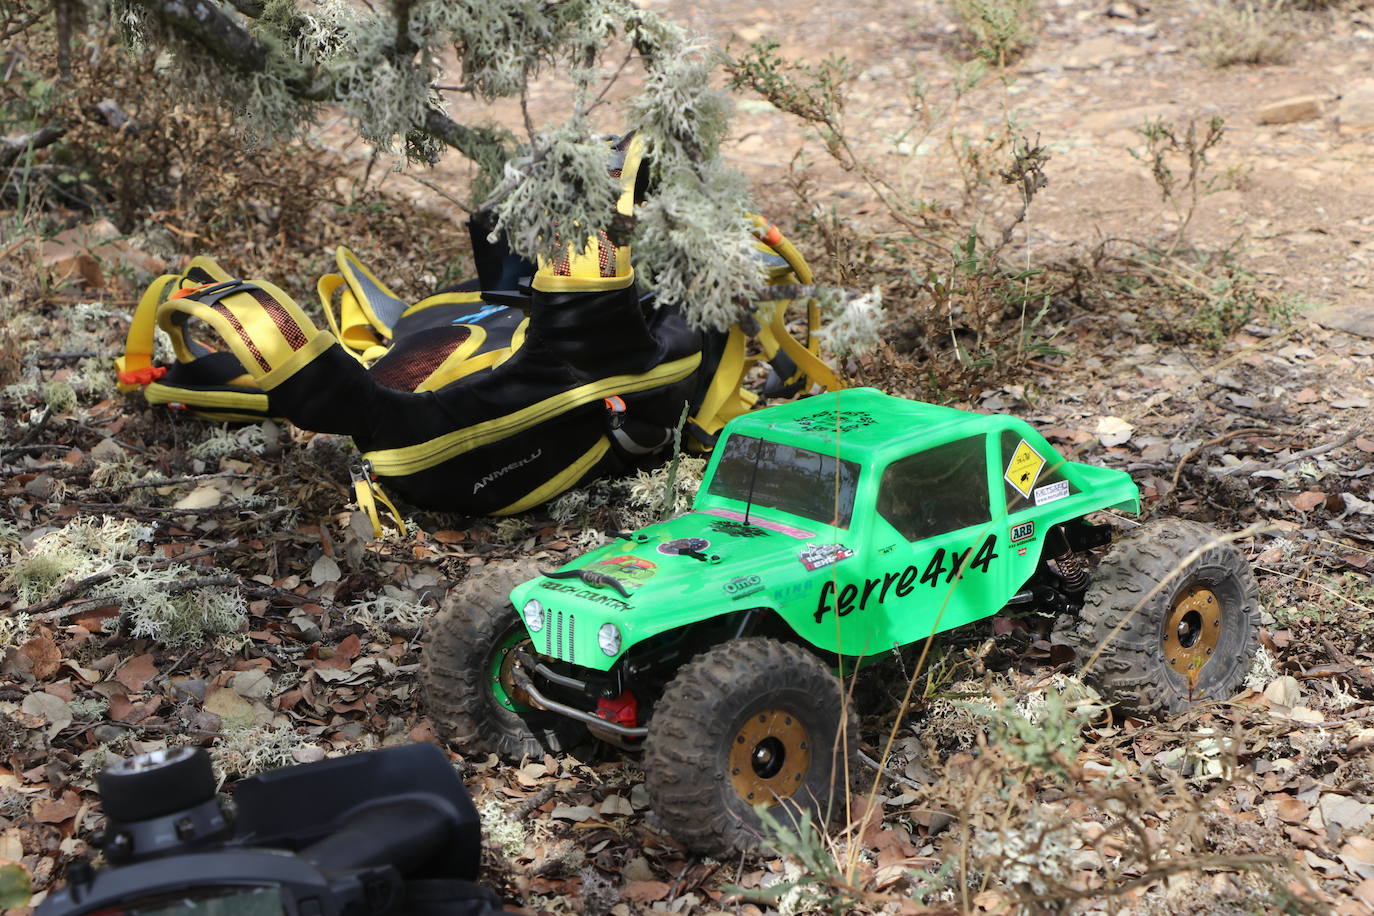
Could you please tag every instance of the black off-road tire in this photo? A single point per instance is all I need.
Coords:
(747, 692)
(1138, 668)
(467, 633)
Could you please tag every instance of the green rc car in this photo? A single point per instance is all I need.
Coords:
(826, 532)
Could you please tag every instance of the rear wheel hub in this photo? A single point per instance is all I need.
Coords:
(1191, 632)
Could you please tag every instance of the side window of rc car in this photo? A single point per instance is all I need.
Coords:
(1031, 473)
(938, 490)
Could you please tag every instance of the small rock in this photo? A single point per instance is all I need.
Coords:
(1356, 108)
(41, 487)
(1287, 111)
(190, 687)
(107, 733)
(1093, 53)
(1285, 691)
(1122, 10)
(251, 684)
(206, 724)
(107, 450)
(309, 754)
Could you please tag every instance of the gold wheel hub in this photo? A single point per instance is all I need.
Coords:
(769, 756)
(517, 694)
(1192, 632)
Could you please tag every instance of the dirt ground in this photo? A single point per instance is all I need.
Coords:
(990, 802)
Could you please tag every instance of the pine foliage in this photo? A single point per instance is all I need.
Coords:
(276, 63)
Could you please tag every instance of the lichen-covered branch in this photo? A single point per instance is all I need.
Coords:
(205, 23)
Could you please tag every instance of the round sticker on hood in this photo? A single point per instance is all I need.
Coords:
(684, 545)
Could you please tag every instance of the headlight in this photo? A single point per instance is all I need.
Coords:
(534, 615)
(608, 637)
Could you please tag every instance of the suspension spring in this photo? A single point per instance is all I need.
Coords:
(1072, 570)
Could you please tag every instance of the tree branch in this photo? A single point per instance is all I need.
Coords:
(206, 24)
(10, 150)
(202, 22)
(464, 139)
(250, 8)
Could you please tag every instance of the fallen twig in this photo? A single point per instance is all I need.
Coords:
(1224, 437)
(190, 478)
(1247, 466)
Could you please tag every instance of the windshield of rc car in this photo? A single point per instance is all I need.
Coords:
(787, 478)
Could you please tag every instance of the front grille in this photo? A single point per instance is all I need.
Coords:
(553, 636)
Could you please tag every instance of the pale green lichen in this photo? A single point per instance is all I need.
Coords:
(221, 442)
(244, 751)
(566, 178)
(502, 831)
(158, 603)
(59, 396)
(389, 610)
(853, 323)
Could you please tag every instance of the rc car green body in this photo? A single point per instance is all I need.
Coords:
(942, 518)
(826, 533)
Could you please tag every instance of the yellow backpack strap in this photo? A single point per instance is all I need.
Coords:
(725, 397)
(366, 312)
(135, 368)
(264, 327)
(774, 334)
(368, 494)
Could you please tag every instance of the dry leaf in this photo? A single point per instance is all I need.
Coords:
(137, 672)
(1358, 856)
(574, 813)
(1113, 431)
(51, 709)
(645, 891)
(44, 656)
(616, 804)
(1311, 499)
(233, 710)
(56, 810)
(325, 569)
(1290, 810)
(202, 497)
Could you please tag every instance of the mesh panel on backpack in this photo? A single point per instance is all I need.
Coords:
(411, 360)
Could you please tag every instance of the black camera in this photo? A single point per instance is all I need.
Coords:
(388, 831)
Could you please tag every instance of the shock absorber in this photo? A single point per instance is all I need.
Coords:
(1072, 570)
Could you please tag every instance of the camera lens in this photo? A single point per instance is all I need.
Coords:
(157, 783)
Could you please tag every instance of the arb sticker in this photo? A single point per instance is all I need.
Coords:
(1051, 491)
(814, 556)
(1022, 532)
(1024, 468)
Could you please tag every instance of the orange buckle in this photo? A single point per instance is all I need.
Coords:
(145, 376)
(772, 237)
(615, 404)
(183, 293)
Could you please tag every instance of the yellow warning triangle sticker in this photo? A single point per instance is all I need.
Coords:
(1024, 468)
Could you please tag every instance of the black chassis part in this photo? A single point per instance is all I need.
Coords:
(646, 668)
